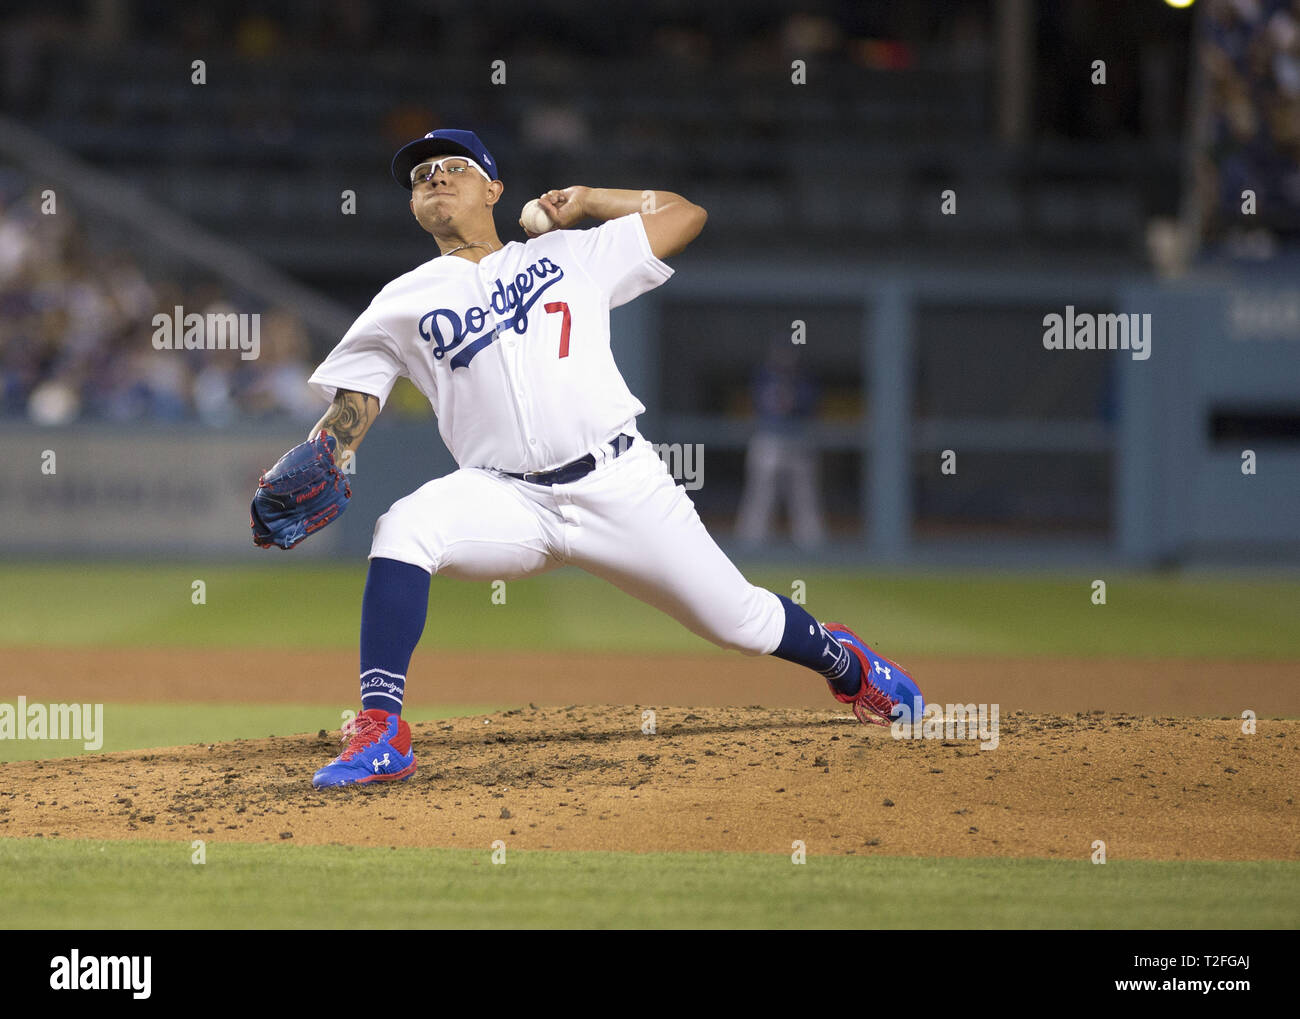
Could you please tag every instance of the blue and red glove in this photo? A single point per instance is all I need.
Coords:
(303, 492)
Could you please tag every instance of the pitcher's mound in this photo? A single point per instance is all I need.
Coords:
(707, 779)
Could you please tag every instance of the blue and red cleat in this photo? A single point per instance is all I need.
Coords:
(887, 692)
(378, 750)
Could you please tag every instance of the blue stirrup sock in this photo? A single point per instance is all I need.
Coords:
(808, 644)
(393, 610)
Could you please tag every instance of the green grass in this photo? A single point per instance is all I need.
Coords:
(85, 884)
(138, 726)
(301, 604)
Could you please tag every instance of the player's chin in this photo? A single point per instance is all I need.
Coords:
(432, 221)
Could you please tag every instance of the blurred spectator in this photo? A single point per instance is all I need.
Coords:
(1250, 53)
(77, 325)
(280, 385)
(781, 462)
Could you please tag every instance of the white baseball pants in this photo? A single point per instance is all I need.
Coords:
(626, 522)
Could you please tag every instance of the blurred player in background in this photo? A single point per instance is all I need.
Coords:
(781, 462)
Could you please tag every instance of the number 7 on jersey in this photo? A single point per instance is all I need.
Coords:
(563, 308)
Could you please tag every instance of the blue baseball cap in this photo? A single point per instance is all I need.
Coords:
(441, 143)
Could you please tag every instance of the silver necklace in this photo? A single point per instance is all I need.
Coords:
(471, 244)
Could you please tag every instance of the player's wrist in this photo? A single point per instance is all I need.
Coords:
(580, 195)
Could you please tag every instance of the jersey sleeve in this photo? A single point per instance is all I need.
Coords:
(617, 257)
(366, 360)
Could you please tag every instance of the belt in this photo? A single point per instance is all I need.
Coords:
(571, 472)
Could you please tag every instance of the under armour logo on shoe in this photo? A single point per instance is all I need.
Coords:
(884, 670)
(379, 764)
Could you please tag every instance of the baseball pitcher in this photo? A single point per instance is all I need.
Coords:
(511, 345)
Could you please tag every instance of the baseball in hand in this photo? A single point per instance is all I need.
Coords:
(534, 218)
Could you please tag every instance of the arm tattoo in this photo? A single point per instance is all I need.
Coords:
(349, 417)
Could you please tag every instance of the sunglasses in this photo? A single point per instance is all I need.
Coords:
(450, 165)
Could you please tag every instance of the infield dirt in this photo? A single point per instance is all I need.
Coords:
(1183, 687)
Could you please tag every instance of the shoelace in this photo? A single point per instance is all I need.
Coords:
(363, 731)
(876, 700)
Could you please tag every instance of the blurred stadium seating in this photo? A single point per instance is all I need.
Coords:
(824, 205)
(899, 104)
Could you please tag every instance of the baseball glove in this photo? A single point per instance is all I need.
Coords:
(303, 492)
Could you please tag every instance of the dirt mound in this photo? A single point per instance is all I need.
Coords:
(739, 779)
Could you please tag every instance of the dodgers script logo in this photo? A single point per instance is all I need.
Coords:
(447, 330)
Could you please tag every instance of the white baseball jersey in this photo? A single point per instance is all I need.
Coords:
(514, 355)
(512, 352)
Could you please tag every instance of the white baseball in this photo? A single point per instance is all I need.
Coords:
(535, 219)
